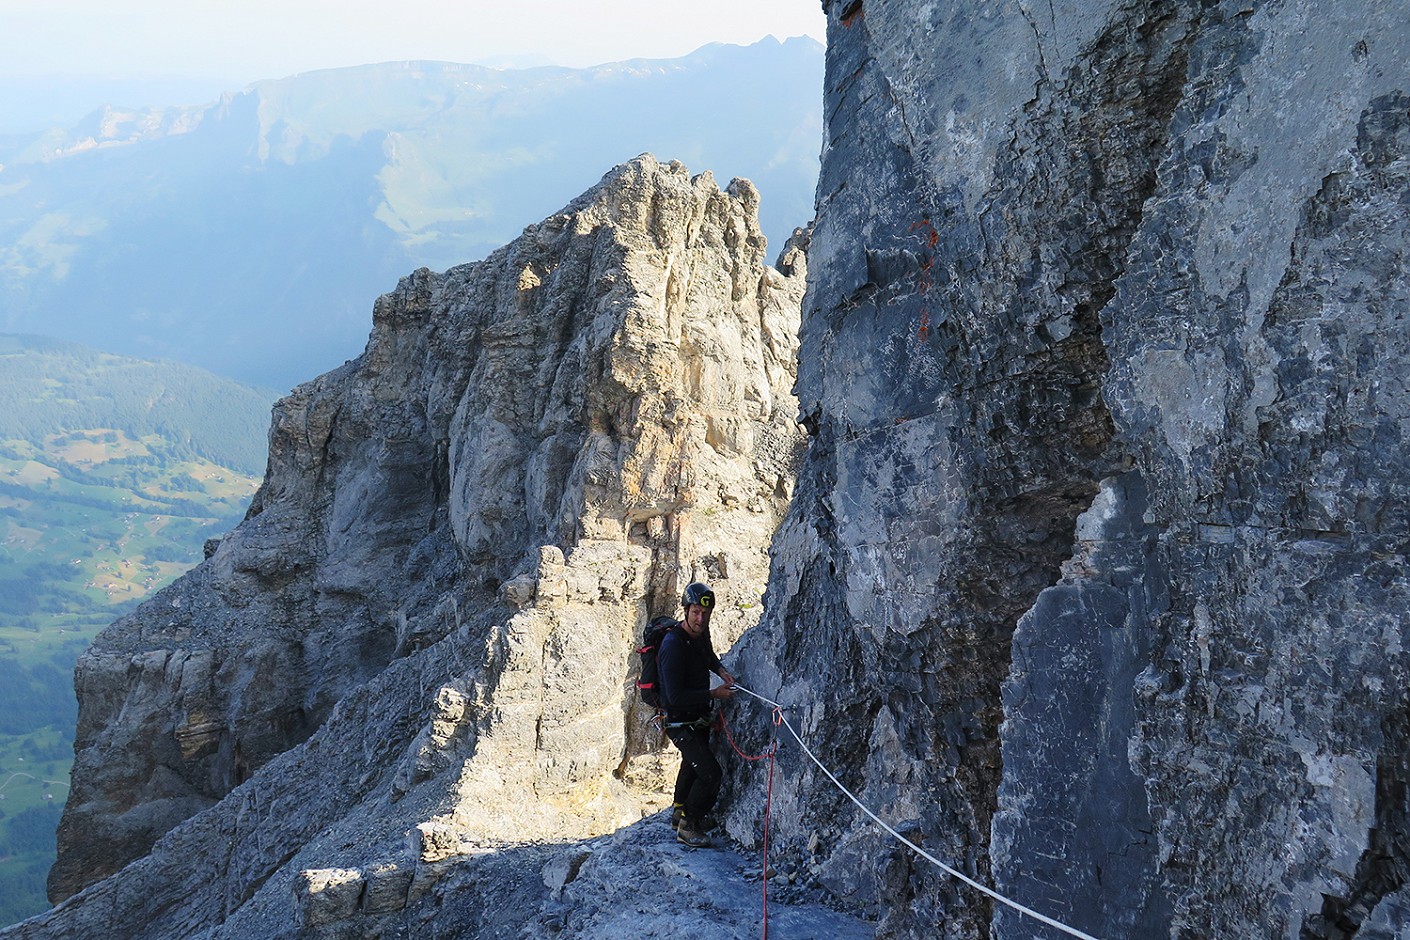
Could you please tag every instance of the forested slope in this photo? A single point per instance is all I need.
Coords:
(113, 473)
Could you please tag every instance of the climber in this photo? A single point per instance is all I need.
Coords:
(686, 659)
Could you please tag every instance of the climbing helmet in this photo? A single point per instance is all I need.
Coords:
(697, 593)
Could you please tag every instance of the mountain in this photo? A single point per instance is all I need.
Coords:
(426, 621)
(1091, 578)
(30, 104)
(113, 473)
(199, 234)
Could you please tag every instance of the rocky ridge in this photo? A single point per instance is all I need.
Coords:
(415, 651)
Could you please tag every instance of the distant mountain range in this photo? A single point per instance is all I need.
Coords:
(251, 236)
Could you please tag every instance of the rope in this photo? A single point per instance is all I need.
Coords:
(20, 773)
(780, 718)
(768, 800)
(724, 726)
(768, 806)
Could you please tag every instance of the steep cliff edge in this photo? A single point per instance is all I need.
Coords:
(426, 617)
(1095, 577)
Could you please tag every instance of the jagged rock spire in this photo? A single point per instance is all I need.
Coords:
(426, 617)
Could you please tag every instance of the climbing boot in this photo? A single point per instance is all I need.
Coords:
(690, 834)
(677, 814)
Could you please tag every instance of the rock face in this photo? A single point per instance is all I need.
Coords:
(1095, 579)
(425, 623)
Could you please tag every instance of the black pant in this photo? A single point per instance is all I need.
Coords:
(698, 782)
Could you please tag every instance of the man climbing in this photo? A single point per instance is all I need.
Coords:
(686, 659)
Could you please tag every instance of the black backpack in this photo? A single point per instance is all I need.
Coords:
(647, 684)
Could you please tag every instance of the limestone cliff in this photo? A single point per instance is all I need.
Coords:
(426, 618)
(1095, 579)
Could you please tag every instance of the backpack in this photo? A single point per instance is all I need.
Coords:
(646, 684)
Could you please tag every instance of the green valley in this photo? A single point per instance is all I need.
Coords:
(113, 473)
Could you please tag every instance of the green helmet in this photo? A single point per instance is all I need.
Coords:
(697, 593)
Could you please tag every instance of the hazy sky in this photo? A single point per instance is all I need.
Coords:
(61, 59)
(247, 40)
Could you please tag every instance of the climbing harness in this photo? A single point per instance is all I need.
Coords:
(781, 719)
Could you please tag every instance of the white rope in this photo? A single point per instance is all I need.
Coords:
(20, 773)
(1071, 931)
(739, 688)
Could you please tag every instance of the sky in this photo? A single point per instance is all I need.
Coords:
(67, 57)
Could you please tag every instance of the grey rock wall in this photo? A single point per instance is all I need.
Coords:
(1095, 577)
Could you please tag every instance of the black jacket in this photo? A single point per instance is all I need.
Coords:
(684, 666)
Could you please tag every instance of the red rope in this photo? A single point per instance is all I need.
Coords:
(768, 800)
(720, 720)
(768, 806)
